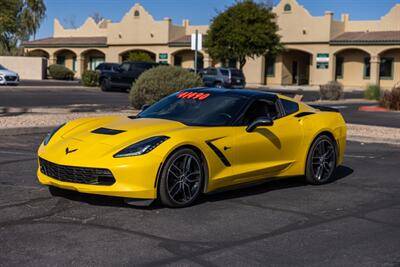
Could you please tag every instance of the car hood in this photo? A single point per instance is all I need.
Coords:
(8, 72)
(120, 130)
(100, 137)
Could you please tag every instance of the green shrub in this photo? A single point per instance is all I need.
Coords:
(60, 72)
(331, 91)
(90, 78)
(159, 82)
(372, 92)
(391, 99)
(139, 56)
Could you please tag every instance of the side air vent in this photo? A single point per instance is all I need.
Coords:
(107, 131)
(303, 114)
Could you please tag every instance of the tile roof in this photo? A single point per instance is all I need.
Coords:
(181, 41)
(378, 37)
(67, 41)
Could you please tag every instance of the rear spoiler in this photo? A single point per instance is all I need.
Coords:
(325, 108)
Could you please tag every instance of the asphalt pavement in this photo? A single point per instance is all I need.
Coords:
(353, 221)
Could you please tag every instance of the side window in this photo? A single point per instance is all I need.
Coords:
(125, 66)
(290, 107)
(106, 67)
(260, 108)
(224, 72)
(212, 71)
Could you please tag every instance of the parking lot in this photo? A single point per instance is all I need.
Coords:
(353, 221)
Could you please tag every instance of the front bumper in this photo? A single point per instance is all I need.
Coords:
(5, 81)
(135, 180)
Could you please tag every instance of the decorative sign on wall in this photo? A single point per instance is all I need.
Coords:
(322, 61)
(163, 56)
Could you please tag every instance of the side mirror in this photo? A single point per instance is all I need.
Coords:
(262, 121)
(145, 106)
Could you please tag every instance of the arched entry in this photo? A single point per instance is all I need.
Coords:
(352, 67)
(185, 59)
(137, 55)
(38, 53)
(389, 69)
(92, 58)
(66, 58)
(296, 67)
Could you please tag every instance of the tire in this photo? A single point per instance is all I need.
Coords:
(321, 160)
(105, 85)
(181, 179)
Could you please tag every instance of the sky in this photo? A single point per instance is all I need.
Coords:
(197, 11)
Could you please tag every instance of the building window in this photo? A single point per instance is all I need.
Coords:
(367, 67)
(137, 13)
(386, 68)
(178, 61)
(287, 8)
(74, 64)
(339, 67)
(270, 66)
(61, 60)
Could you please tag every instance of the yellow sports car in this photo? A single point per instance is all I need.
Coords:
(192, 142)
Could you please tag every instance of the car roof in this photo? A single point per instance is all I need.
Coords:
(233, 92)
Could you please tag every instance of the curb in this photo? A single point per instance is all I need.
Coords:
(373, 109)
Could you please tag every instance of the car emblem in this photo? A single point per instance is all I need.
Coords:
(68, 151)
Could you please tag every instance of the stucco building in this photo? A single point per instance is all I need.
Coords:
(318, 49)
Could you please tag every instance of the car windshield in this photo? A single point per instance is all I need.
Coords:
(2, 68)
(236, 73)
(198, 108)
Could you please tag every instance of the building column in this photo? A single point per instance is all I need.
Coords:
(52, 59)
(207, 61)
(333, 68)
(375, 66)
(79, 66)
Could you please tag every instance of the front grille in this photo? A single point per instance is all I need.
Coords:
(80, 175)
(11, 78)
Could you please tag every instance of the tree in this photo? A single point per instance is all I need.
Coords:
(70, 22)
(97, 17)
(246, 29)
(19, 19)
(139, 56)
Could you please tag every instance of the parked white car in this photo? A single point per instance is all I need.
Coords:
(8, 77)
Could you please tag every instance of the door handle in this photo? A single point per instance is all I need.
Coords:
(226, 148)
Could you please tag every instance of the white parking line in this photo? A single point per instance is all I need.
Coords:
(16, 153)
(359, 157)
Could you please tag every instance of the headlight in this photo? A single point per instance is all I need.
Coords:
(50, 134)
(142, 147)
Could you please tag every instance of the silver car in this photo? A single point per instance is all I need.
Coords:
(8, 77)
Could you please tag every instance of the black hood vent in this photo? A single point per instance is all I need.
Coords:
(107, 131)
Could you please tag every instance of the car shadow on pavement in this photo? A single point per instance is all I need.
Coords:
(221, 195)
(269, 185)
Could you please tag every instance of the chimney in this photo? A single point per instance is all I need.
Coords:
(345, 17)
(329, 14)
(185, 23)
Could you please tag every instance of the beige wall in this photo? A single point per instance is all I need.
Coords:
(298, 26)
(389, 22)
(353, 68)
(35, 71)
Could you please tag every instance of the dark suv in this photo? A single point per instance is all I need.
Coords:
(223, 77)
(107, 67)
(123, 77)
